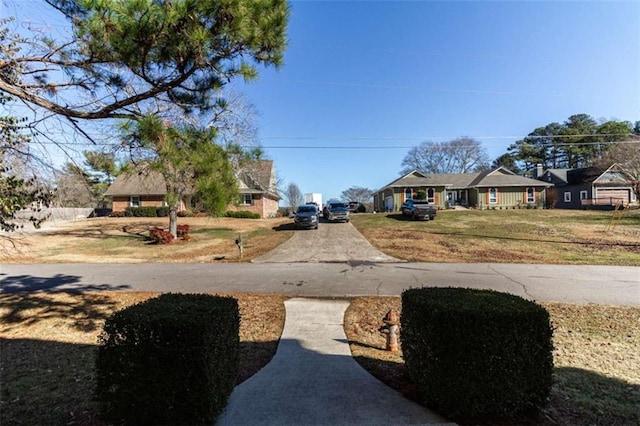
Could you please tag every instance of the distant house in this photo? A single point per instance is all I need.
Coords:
(497, 188)
(589, 187)
(256, 184)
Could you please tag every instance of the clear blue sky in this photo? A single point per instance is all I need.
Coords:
(385, 76)
(393, 74)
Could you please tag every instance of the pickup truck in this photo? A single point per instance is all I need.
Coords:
(418, 210)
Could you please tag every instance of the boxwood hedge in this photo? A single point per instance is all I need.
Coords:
(169, 360)
(477, 353)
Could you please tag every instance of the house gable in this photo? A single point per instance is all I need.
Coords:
(613, 175)
(556, 177)
(258, 177)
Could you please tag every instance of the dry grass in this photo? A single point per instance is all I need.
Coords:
(48, 343)
(126, 240)
(596, 357)
(508, 236)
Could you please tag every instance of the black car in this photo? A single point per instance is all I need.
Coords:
(356, 207)
(306, 217)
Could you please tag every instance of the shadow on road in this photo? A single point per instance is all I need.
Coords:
(285, 227)
(30, 283)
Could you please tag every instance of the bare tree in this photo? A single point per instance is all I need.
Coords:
(73, 188)
(358, 194)
(461, 155)
(294, 196)
(627, 155)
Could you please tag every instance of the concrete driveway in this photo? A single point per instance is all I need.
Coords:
(331, 242)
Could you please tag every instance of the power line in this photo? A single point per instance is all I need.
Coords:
(422, 138)
(355, 147)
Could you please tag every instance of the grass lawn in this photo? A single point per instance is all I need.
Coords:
(48, 339)
(507, 236)
(126, 240)
(596, 358)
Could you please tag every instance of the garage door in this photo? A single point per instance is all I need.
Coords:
(612, 196)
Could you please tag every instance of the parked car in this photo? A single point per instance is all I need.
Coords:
(306, 217)
(336, 211)
(357, 207)
(418, 210)
(313, 203)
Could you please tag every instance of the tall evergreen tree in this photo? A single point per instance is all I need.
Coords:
(574, 143)
(190, 162)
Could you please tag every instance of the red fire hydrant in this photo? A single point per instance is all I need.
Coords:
(391, 328)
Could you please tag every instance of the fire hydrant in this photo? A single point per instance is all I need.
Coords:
(391, 328)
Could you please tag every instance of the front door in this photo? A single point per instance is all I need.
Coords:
(451, 197)
(463, 197)
(388, 203)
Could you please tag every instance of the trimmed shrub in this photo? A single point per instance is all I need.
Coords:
(160, 236)
(243, 214)
(145, 211)
(162, 211)
(477, 353)
(168, 360)
(101, 212)
(116, 214)
(183, 231)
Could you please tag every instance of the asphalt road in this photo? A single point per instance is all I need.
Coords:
(332, 262)
(331, 242)
(563, 283)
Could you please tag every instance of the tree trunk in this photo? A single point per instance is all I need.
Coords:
(173, 221)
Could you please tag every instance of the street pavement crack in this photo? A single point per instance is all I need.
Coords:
(524, 287)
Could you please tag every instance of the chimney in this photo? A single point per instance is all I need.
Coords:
(538, 171)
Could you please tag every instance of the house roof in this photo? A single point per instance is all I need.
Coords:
(144, 182)
(256, 178)
(502, 177)
(559, 174)
(584, 175)
(499, 177)
(589, 175)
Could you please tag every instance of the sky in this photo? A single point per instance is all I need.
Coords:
(364, 81)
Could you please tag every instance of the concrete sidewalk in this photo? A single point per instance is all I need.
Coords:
(313, 379)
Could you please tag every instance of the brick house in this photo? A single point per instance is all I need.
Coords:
(256, 185)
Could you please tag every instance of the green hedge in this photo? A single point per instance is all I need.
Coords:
(243, 214)
(168, 360)
(476, 353)
(145, 211)
(162, 211)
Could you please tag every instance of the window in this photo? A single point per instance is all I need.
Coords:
(408, 194)
(134, 201)
(583, 195)
(567, 197)
(246, 200)
(431, 196)
(531, 195)
(493, 195)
